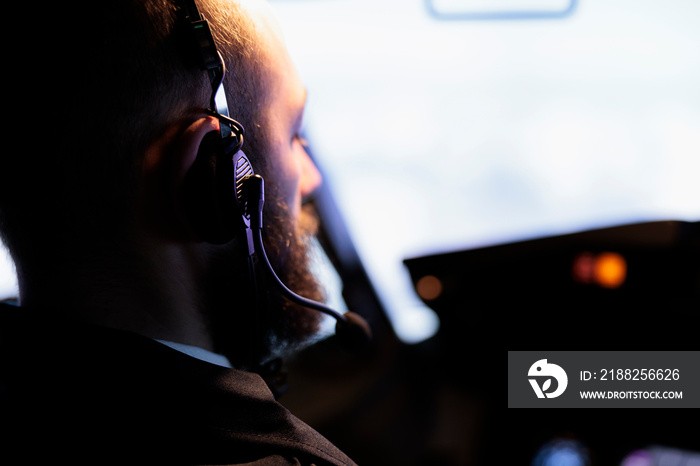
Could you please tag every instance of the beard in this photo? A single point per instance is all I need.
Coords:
(251, 322)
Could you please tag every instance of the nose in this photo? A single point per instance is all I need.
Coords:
(310, 178)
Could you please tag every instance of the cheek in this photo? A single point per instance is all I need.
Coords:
(283, 181)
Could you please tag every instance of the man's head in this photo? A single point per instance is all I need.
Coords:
(121, 105)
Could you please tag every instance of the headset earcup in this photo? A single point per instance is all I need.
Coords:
(209, 195)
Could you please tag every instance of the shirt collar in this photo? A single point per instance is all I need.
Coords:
(199, 353)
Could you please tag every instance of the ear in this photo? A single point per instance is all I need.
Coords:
(166, 164)
(186, 147)
(204, 194)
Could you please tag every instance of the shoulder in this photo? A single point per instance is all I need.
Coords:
(68, 385)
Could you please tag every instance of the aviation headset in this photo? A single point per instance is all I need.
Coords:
(222, 171)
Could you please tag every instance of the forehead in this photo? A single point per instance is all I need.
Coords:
(275, 64)
(284, 94)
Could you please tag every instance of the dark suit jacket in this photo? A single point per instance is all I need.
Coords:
(75, 393)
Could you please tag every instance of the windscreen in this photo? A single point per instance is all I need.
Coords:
(452, 124)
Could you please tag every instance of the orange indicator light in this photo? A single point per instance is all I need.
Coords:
(607, 269)
(429, 287)
(610, 270)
